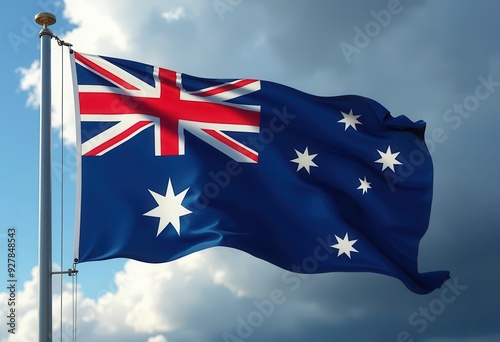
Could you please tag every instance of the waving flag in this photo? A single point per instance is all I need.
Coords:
(172, 164)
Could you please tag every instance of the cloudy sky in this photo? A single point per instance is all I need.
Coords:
(433, 60)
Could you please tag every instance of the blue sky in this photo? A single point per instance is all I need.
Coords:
(437, 61)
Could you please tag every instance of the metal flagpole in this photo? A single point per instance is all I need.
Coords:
(45, 186)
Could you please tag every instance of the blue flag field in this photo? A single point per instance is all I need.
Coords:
(172, 164)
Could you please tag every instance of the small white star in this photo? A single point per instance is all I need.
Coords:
(350, 120)
(364, 185)
(345, 246)
(169, 209)
(304, 160)
(388, 159)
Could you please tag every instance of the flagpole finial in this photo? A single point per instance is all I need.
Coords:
(45, 19)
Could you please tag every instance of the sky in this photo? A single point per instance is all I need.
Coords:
(438, 61)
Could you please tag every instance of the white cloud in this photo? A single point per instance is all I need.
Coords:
(30, 82)
(157, 338)
(174, 15)
(27, 310)
(149, 299)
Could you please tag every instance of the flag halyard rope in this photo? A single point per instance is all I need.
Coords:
(70, 272)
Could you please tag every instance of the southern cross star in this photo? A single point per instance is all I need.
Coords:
(169, 209)
(345, 246)
(350, 120)
(365, 185)
(304, 160)
(388, 159)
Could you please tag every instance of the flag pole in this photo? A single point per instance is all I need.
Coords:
(45, 184)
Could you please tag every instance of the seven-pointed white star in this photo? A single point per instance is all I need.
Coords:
(169, 208)
(365, 185)
(388, 159)
(350, 120)
(345, 246)
(304, 160)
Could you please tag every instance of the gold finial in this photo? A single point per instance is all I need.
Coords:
(45, 19)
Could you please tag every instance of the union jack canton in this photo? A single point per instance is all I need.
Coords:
(160, 99)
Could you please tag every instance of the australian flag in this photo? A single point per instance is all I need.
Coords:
(172, 164)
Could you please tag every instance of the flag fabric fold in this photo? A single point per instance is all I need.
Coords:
(172, 164)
